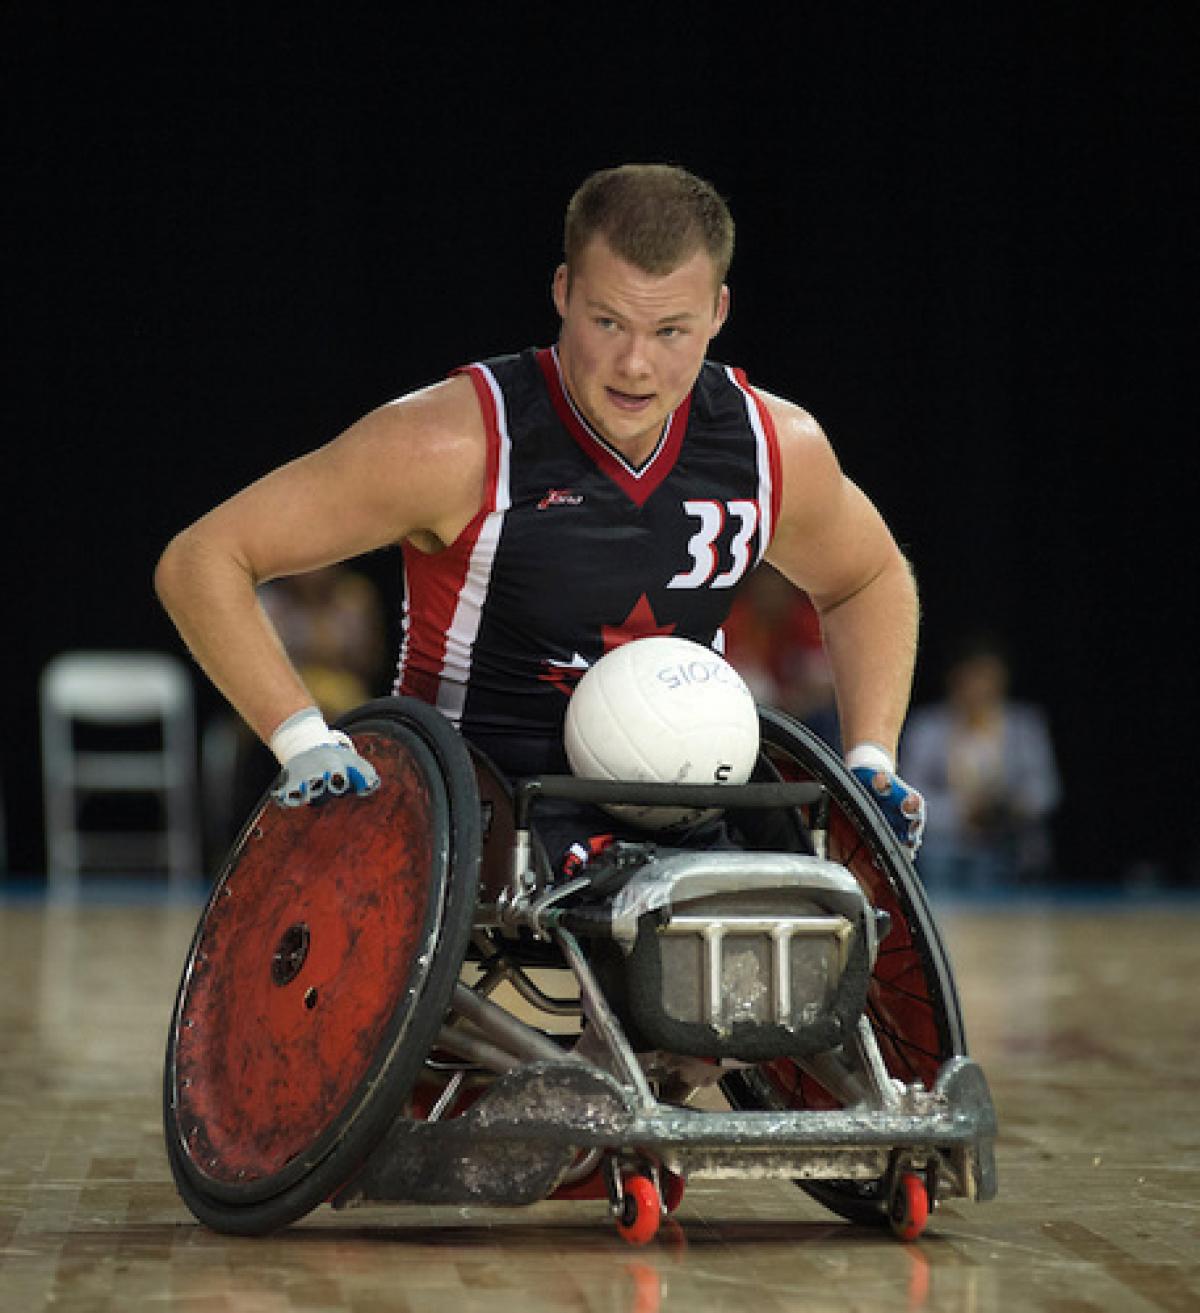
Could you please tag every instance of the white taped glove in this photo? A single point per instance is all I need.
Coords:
(317, 762)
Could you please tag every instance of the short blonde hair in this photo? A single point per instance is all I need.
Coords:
(655, 216)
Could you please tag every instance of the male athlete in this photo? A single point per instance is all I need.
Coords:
(553, 504)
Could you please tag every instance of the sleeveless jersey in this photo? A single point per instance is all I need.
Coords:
(575, 551)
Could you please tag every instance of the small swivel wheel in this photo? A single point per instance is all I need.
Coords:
(640, 1210)
(908, 1208)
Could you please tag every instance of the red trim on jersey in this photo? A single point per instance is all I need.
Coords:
(636, 484)
(768, 423)
(432, 585)
(491, 424)
(434, 581)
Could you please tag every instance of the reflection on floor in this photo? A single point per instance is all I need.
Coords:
(1083, 1018)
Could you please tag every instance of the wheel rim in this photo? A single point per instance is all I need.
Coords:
(290, 948)
(293, 999)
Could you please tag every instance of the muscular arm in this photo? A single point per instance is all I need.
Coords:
(833, 543)
(412, 469)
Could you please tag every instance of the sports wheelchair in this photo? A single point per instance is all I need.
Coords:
(785, 1008)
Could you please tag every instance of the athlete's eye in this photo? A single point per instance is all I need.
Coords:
(605, 324)
(670, 332)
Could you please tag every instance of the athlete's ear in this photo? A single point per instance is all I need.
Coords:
(721, 313)
(560, 288)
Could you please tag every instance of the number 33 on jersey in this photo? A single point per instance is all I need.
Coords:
(714, 516)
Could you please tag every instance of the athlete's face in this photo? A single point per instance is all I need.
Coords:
(632, 342)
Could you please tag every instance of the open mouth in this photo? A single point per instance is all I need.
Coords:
(628, 400)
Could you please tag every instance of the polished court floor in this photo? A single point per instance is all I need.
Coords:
(1085, 1019)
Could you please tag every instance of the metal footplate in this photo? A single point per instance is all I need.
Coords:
(518, 1141)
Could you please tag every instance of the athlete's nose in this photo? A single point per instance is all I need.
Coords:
(634, 360)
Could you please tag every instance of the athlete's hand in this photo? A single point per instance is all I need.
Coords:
(902, 806)
(317, 762)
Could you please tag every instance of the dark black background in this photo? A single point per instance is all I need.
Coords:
(966, 243)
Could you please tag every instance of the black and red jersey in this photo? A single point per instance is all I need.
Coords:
(575, 551)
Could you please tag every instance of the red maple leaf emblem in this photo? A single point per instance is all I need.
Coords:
(641, 622)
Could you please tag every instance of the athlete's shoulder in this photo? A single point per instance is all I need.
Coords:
(792, 422)
(442, 417)
(810, 475)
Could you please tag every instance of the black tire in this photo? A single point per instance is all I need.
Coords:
(375, 897)
(912, 1000)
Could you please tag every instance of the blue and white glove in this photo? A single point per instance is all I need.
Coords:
(902, 806)
(317, 762)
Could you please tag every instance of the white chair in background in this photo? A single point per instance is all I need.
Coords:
(115, 692)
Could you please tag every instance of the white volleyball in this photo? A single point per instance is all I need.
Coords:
(665, 710)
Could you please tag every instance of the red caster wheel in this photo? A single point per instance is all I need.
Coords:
(641, 1211)
(672, 1188)
(909, 1210)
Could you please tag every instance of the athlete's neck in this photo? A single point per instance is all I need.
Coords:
(635, 454)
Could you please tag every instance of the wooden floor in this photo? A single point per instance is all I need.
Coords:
(1086, 1022)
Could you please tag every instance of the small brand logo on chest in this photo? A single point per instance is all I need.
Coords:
(560, 497)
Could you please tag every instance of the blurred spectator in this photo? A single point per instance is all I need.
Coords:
(773, 640)
(332, 625)
(986, 767)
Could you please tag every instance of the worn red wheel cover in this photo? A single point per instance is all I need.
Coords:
(266, 1063)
